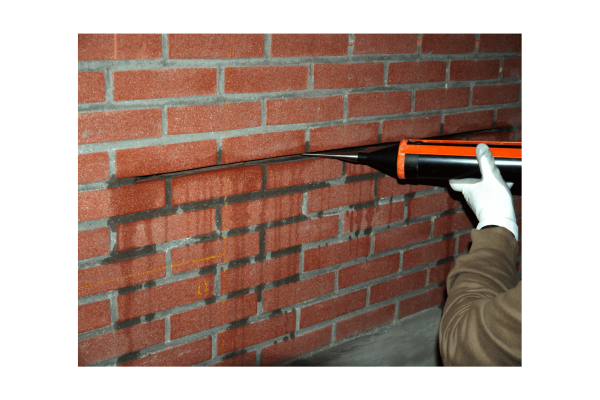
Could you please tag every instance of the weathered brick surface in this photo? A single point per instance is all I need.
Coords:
(511, 68)
(413, 128)
(447, 44)
(274, 78)
(422, 301)
(332, 254)
(428, 253)
(474, 70)
(368, 270)
(259, 273)
(91, 87)
(439, 273)
(153, 160)
(350, 75)
(341, 136)
(264, 145)
(295, 347)
(105, 203)
(373, 216)
(433, 99)
(452, 223)
(496, 94)
(340, 195)
(163, 83)
(164, 229)
(295, 111)
(301, 172)
(363, 322)
(300, 232)
(385, 44)
(398, 286)
(93, 316)
(333, 308)
(508, 117)
(261, 211)
(209, 316)
(402, 236)
(431, 204)
(416, 72)
(358, 169)
(93, 167)
(309, 45)
(213, 184)
(110, 126)
(118, 46)
(244, 360)
(499, 43)
(215, 46)
(180, 356)
(120, 342)
(389, 186)
(467, 122)
(379, 103)
(213, 117)
(298, 292)
(93, 243)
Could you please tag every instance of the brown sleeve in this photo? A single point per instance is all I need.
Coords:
(481, 322)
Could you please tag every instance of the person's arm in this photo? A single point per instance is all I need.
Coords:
(481, 321)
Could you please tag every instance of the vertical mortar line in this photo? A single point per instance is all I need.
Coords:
(112, 164)
(262, 245)
(167, 329)
(386, 67)
(307, 140)
(368, 295)
(447, 70)
(345, 107)
(258, 357)
(114, 309)
(311, 77)
(372, 243)
(220, 79)
(219, 150)
(419, 43)
(351, 44)
(165, 46)
(168, 197)
(301, 264)
(412, 101)
(471, 94)
(443, 120)
(396, 310)
(214, 345)
(431, 228)
(263, 112)
(344, 169)
(267, 41)
(376, 189)
(340, 224)
(456, 245)
(379, 132)
(501, 68)
(297, 320)
(108, 85)
(169, 263)
(495, 117)
(304, 203)
(113, 237)
(427, 275)
(335, 282)
(164, 121)
(334, 330)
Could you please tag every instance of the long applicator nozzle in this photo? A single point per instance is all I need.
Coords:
(348, 157)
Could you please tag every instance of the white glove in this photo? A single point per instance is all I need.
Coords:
(489, 197)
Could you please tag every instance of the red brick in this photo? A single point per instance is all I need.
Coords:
(257, 332)
(164, 83)
(368, 270)
(414, 128)
(262, 145)
(333, 308)
(416, 72)
(347, 75)
(381, 103)
(341, 136)
(309, 45)
(494, 136)
(164, 297)
(121, 274)
(338, 253)
(517, 205)
(111, 126)
(474, 70)
(422, 301)
(120, 342)
(273, 78)
(93, 167)
(213, 117)
(451, 223)
(180, 356)
(389, 186)
(214, 184)
(260, 273)
(119, 47)
(122, 200)
(301, 232)
(245, 360)
(261, 211)
(402, 236)
(164, 229)
(468, 122)
(93, 316)
(93, 243)
(358, 169)
(373, 216)
(508, 117)
(511, 68)
(283, 296)
(90, 87)
(96, 47)
(385, 44)
(496, 94)
(398, 286)
(216, 46)
(340, 195)
(428, 253)
(295, 347)
(301, 172)
(447, 44)
(217, 251)
(434, 99)
(165, 158)
(365, 321)
(494, 43)
(431, 204)
(216, 314)
(439, 273)
(313, 109)
(464, 243)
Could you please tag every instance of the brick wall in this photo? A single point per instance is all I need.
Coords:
(275, 257)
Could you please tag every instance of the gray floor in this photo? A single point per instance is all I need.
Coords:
(413, 342)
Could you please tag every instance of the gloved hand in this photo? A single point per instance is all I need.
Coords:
(489, 197)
